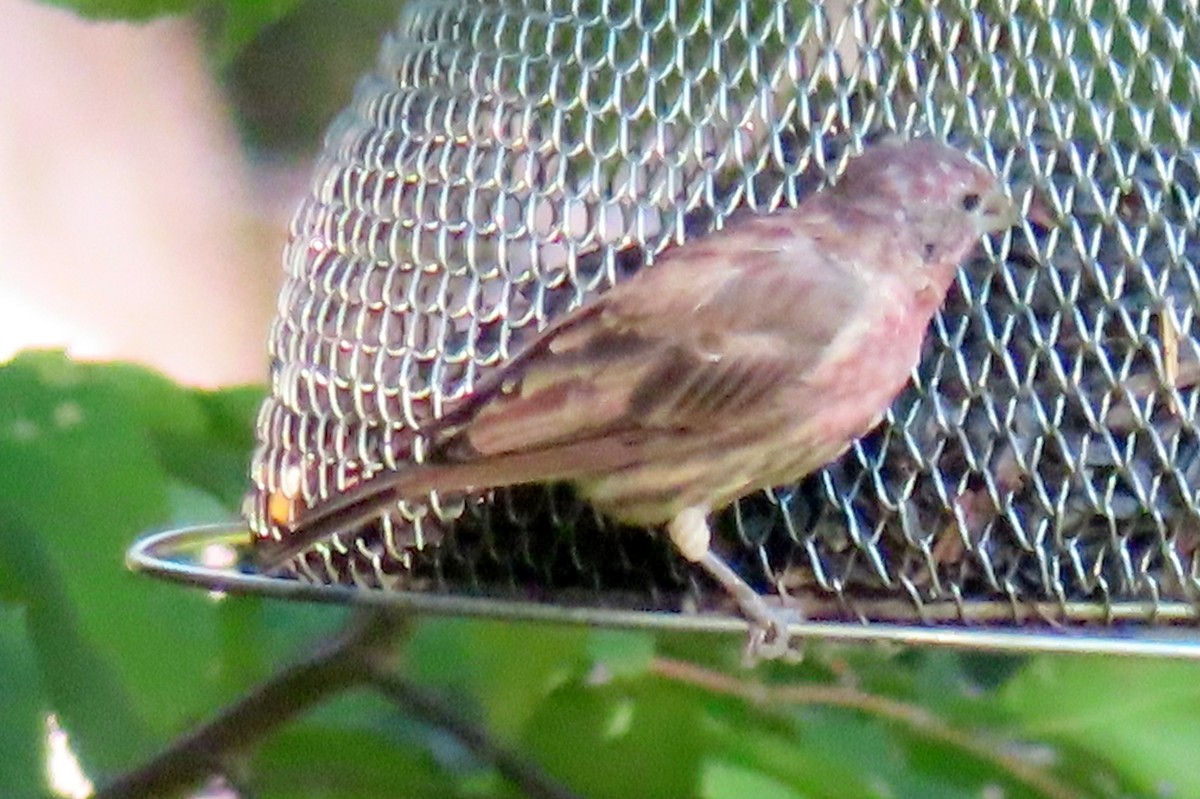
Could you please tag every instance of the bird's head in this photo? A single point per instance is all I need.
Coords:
(936, 199)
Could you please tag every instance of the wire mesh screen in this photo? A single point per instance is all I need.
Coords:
(506, 161)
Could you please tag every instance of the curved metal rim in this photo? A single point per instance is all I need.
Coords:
(162, 555)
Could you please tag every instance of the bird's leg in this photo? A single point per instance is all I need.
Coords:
(769, 637)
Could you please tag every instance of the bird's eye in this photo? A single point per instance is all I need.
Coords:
(970, 202)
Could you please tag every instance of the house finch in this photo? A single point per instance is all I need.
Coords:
(738, 362)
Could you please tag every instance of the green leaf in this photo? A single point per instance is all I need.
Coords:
(66, 511)
(238, 22)
(354, 746)
(644, 738)
(231, 413)
(1138, 716)
(622, 653)
(200, 437)
(879, 758)
(509, 669)
(125, 9)
(241, 20)
(298, 71)
(721, 780)
(23, 710)
(190, 505)
(83, 478)
(800, 757)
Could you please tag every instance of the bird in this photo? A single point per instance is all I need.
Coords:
(736, 362)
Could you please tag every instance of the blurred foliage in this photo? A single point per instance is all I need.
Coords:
(233, 23)
(92, 455)
(288, 65)
(131, 9)
(287, 82)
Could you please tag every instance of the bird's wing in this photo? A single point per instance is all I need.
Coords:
(698, 342)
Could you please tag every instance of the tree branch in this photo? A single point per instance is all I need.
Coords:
(915, 718)
(351, 659)
(363, 655)
(425, 705)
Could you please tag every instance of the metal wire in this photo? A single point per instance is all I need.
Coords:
(505, 161)
(217, 558)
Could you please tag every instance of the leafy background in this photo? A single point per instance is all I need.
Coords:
(94, 454)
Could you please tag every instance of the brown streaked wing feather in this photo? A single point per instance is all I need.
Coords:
(699, 339)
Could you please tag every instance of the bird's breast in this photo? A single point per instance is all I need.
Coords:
(863, 372)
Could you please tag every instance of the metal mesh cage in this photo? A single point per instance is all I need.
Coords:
(505, 161)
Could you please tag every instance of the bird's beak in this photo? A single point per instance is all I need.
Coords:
(996, 213)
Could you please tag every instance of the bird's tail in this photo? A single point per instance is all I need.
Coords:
(374, 497)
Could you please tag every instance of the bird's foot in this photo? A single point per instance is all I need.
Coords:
(770, 638)
(770, 635)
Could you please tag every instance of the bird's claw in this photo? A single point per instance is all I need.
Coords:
(771, 639)
(770, 635)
